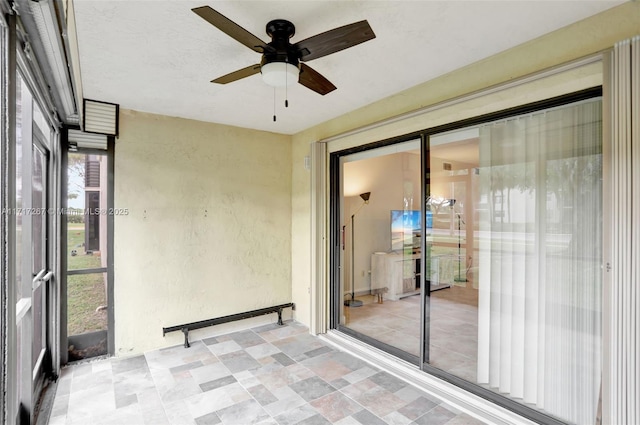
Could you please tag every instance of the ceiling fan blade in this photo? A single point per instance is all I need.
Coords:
(334, 40)
(313, 80)
(230, 28)
(237, 75)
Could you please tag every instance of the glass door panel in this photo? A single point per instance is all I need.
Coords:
(518, 210)
(450, 221)
(454, 296)
(381, 247)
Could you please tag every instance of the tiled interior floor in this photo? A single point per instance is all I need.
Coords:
(267, 375)
(396, 323)
(453, 331)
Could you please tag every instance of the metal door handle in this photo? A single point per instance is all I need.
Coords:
(37, 277)
(42, 276)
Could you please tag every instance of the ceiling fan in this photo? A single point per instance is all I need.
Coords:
(282, 62)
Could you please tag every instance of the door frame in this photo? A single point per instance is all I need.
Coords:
(44, 367)
(334, 228)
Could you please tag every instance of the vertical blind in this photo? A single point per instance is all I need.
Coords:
(540, 259)
(624, 366)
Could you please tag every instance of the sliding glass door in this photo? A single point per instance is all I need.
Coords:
(486, 267)
(380, 248)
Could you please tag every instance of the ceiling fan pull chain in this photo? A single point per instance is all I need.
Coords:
(274, 104)
(286, 86)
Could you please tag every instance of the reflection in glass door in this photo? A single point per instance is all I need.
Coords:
(381, 239)
(450, 221)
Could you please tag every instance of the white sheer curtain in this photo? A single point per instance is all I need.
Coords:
(540, 239)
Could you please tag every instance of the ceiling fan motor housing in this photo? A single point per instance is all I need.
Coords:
(280, 31)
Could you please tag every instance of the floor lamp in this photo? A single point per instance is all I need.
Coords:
(353, 302)
(460, 278)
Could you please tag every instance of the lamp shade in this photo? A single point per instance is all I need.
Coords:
(279, 74)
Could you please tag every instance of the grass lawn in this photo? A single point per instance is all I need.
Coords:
(75, 241)
(86, 292)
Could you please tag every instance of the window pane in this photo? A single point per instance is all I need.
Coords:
(86, 303)
(86, 315)
(86, 217)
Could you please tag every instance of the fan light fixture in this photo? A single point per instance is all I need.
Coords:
(279, 74)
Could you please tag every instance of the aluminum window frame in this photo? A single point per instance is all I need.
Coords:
(7, 226)
(16, 60)
(109, 153)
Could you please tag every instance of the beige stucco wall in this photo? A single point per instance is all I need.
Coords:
(209, 226)
(593, 35)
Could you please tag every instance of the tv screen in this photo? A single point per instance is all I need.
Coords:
(405, 229)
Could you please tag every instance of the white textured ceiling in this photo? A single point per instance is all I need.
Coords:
(158, 56)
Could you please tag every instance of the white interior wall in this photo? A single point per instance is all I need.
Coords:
(439, 187)
(391, 179)
(208, 232)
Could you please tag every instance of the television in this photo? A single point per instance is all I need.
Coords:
(406, 229)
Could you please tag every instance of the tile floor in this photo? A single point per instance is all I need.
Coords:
(454, 311)
(267, 375)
